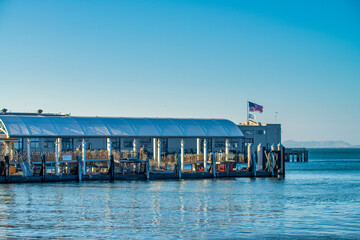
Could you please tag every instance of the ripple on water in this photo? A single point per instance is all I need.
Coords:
(316, 204)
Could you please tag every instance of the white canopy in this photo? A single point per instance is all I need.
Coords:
(18, 126)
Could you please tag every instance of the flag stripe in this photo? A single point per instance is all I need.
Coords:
(255, 107)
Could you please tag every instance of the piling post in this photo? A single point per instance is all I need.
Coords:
(29, 151)
(182, 155)
(205, 155)
(273, 147)
(249, 156)
(43, 167)
(57, 154)
(299, 156)
(83, 164)
(112, 168)
(260, 155)
(154, 149)
(273, 163)
(7, 168)
(227, 148)
(178, 166)
(213, 165)
(135, 147)
(254, 164)
(79, 168)
(302, 156)
(306, 156)
(159, 151)
(147, 168)
(281, 149)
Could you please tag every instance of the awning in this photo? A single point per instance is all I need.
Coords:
(18, 126)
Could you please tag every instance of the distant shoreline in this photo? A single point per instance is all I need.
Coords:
(318, 144)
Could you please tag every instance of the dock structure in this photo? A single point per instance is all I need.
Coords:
(85, 164)
(296, 155)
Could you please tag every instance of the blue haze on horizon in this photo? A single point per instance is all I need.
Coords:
(187, 59)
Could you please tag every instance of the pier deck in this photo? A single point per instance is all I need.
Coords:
(296, 155)
(129, 177)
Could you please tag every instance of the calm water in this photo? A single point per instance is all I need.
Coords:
(317, 200)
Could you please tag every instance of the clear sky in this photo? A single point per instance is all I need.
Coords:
(182, 58)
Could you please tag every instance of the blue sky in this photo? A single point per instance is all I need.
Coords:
(187, 59)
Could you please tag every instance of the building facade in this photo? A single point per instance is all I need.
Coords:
(256, 133)
(169, 145)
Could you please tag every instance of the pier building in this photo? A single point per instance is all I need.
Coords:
(253, 132)
(62, 146)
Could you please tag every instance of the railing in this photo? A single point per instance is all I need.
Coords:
(126, 162)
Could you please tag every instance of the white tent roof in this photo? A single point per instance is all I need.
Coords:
(65, 126)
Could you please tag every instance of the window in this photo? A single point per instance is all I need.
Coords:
(219, 142)
(34, 142)
(146, 142)
(18, 145)
(67, 144)
(164, 145)
(49, 143)
(261, 132)
(128, 142)
(115, 144)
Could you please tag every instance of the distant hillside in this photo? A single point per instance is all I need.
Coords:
(318, 144)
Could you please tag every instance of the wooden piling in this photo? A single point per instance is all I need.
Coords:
(213, 166)
(148, 168)
(43, 168)
(178, 165)
(306, 156)
(254, 161)
(260, 157)
(282, 159)
(112, 168)
(79, 175)
(7, 169)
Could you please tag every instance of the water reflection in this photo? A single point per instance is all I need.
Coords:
(7, 200)
(196, 209)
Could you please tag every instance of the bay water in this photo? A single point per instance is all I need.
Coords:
(319, 199)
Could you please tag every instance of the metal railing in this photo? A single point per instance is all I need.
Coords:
(126, 162)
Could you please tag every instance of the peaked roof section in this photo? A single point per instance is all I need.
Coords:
(66, 126)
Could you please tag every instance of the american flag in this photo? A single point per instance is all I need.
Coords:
(255, 107)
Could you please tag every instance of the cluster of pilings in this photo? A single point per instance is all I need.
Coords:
(259, 163)
(296, 155)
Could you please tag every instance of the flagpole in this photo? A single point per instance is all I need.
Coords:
(247, 111)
